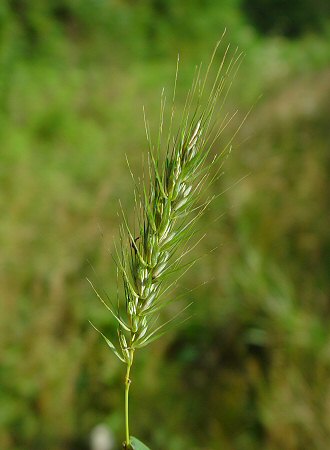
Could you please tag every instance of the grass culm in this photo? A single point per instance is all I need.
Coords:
(168, 202)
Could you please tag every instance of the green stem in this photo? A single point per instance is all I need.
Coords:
(127, 386)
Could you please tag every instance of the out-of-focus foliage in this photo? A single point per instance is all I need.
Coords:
(251, 368)
(291, 19)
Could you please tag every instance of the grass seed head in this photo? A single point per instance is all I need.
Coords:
(167, 209)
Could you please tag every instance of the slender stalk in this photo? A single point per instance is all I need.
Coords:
(127, 443)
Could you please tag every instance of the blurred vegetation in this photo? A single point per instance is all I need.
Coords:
(291, 19)
(251, 369)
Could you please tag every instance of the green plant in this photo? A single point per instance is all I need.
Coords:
(166, 211)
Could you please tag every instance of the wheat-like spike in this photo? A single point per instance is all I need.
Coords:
(145, 256)
(146, 263)
(167, 207)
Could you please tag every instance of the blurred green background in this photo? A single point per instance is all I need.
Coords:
(251, 369)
